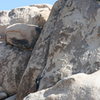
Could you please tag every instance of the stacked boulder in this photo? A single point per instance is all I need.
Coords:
(76, 87)
(33, 14)
(19, 31)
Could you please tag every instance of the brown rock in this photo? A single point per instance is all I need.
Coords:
(22, 35)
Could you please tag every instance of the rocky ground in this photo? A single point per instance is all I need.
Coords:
(59, 58)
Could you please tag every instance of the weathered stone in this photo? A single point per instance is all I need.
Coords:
(74, 44)
(4, 21)
(69, 44)
(34, 14)
(76, 87)
(22, 35)
(3, 95)
(30, 14)
(13, 62)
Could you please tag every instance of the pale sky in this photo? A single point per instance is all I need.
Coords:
(10, 4)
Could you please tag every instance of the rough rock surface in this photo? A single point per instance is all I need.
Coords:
(22, 35)
(69, 44)
(4, 21)
(77, 87)
(13, 62)
(33, 14)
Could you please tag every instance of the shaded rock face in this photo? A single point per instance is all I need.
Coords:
(34, 14)
(77, 87)
(13, 62)
(22, 35)
(69, 44)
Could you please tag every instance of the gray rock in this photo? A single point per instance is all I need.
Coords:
(74, 44)
(34, 14)
(76, 87)
(2, 95)
(13, 62)
(69, 44)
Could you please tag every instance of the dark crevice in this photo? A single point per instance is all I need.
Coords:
(40, 76)
(37, 82)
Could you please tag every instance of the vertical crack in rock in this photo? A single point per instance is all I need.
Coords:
(38, 79)
(32, 75)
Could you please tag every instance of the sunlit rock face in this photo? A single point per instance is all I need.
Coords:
(69, 44)
(33, 14)
(74, 40)
(76, 87)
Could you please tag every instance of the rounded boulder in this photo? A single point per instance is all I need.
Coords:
(22, 35)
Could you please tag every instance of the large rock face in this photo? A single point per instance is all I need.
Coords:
(13, 62)
(34, 14)
(69, 44)
(22, 35)
(77, 87)
(74, 44)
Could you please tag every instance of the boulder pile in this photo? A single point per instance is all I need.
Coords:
(19, 31)
(56, 61)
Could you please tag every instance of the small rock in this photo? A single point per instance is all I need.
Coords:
(22, 35)
(76, 87)
(34, 14)
(68, 44)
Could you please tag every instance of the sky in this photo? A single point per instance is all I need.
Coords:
(10, 4)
